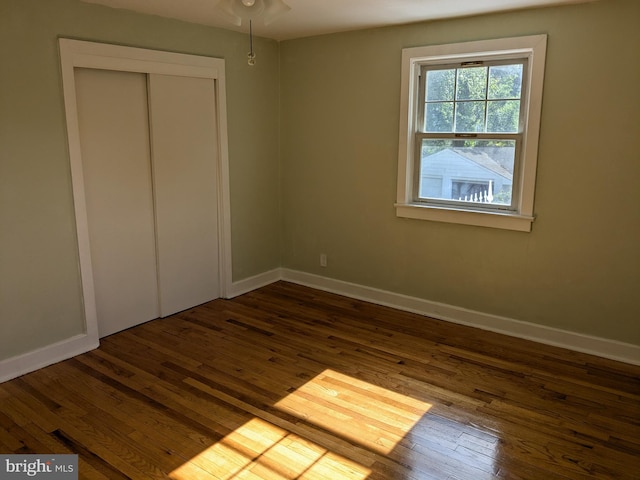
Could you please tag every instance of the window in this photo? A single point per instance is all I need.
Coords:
(469, 132)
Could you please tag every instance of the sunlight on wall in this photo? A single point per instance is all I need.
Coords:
(357, 412)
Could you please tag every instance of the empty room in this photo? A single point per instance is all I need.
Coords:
(293, 239)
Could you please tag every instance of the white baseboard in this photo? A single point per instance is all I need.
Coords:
(252, 283)
(16, 366)
(602, 347)
(22, 364)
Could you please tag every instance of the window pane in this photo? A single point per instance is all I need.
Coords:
(471, 171)
(503, 116)
(465, 189)
(470, 116)
(505, 81)
(440, 85)
(472, 83)
(439, 117)
(430, 187)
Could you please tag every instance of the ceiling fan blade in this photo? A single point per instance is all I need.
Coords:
(273, 9)
(225, 9)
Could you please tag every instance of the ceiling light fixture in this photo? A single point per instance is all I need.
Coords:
(237, 11)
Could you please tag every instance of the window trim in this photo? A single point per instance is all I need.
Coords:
(533, 48)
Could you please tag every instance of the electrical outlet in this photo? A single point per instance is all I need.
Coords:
(323, 259)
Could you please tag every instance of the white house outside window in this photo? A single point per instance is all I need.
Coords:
(469, 132)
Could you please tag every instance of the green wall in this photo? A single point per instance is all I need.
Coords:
(313, 166)
(579, 269)
(40, 294)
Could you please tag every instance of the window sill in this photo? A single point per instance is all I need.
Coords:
(506, 221)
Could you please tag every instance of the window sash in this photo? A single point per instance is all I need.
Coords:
(515, 185)
(422, 134)
(422, 91)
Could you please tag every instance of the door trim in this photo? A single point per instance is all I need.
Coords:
(82, 54)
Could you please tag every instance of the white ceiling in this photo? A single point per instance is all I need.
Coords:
(316, 17)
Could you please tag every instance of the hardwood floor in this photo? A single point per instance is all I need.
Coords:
(288, 382)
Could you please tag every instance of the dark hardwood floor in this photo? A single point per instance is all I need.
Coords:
(288, 382)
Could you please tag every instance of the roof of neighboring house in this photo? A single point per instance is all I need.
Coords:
(491, 158)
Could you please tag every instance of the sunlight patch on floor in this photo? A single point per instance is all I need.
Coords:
(261, 450)
(357, 412)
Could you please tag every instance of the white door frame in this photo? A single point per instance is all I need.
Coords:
(81, 54)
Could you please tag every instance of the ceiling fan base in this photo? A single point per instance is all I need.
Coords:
(266, 11)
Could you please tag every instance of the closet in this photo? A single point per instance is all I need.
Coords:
(149, 147)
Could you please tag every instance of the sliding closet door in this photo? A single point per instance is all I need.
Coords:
(116, 162)
(184, 141)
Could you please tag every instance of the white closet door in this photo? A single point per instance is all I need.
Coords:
(184, 141)
(114, 137)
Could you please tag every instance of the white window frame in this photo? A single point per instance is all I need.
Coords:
(533, 48)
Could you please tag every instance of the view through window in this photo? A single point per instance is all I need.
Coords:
(479, 105)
